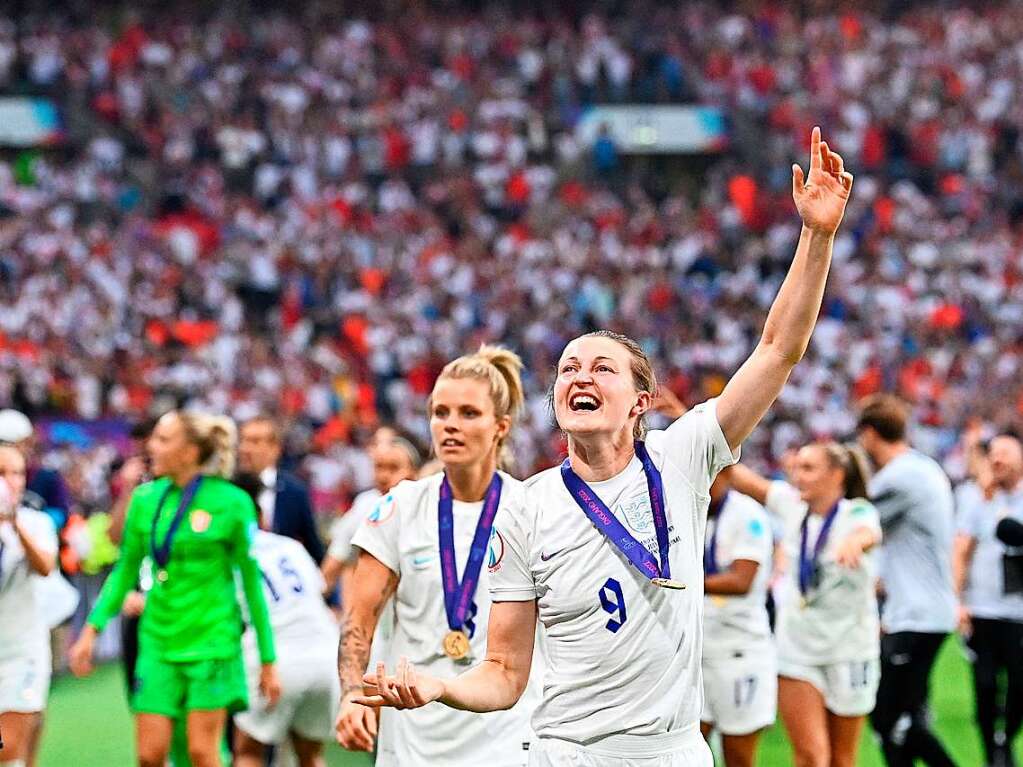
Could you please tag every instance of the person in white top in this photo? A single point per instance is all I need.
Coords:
(427, 543)
(828, 628)
(740, 673)
(305, 635)
(394, 458)
(609, 552)
(28, 550)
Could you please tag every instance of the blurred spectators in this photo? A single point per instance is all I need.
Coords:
(308, 215)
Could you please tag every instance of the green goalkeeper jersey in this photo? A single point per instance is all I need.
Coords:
(191, 612)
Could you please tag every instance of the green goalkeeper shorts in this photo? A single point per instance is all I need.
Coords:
(173, 689)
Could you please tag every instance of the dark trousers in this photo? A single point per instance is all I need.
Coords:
(997, 647)
(129, 649)
(900, 717)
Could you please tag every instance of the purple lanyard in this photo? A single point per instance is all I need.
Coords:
(710, 554)
(458, 596)
(808, 565)
(161, 552)
(607, 523)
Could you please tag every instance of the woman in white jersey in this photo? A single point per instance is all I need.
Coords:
(740, 673)
(610, 551)
(426, 543)
(828, 632)
(28, 548)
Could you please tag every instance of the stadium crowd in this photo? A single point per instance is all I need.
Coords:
(308, 215)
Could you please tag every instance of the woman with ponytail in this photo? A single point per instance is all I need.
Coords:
(426, 542)
(828, 634)
(197, 528)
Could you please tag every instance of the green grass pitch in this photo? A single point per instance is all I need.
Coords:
(88, 724)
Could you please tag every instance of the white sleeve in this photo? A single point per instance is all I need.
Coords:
(42, 532)
(696, 445)
(784, 502)
(377, 535)
(341, 538)
(511, 578)
(753, 540)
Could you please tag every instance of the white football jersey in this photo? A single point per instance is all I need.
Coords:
(293, 588)
(22, 623)
(623, 655)
(839, 621)
(402, 534)
(737, 622)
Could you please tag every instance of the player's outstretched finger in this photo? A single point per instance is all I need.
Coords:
(414, 685)
(825, 157)
(404, 692)
(837, 164)
(815, 149)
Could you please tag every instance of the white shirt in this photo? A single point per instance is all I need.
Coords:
(737, 622)
(344, 529)
(402, 534)
(268, 495)
(293, 588)
(623, 655)
(22, 623)
(840, 620)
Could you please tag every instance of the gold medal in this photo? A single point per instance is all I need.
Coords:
(802, 603)
(718, 601)
(161, 576)
(456, 645)
(667, 583)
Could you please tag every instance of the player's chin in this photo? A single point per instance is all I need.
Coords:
(583, 422)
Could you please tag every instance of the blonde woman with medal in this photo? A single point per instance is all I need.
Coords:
(197, 528)
(609, 552)
(740, 672)
(429, 543)
(828, 630)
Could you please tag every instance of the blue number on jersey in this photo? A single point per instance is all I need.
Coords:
(616, 606)
(288, 572)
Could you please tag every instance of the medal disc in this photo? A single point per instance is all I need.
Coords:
(667, 583)
(162, 576)
(456, 645)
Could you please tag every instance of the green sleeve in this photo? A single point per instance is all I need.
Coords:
(252, 583)
(125, 574)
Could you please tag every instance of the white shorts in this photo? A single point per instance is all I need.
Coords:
(681, 748)
(310, 694)
(740, 694)
(25, 681)
(849, 687)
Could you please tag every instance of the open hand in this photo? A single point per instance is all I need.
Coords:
(356, 725)
(821, 196)
(406, 689)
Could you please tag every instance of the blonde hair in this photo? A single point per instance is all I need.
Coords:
(215, 436)
(501, 370)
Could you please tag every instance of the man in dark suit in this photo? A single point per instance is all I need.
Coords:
(284, 501)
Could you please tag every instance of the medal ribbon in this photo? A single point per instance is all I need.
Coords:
(607, 523)
(161, 552)
(710, 558)
(808, 565)
(458, 596)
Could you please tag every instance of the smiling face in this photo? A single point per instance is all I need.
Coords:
(463, 425)
(815, 476)
(595, 392)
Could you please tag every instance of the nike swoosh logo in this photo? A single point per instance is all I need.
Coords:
(422, 560)
(545, 557)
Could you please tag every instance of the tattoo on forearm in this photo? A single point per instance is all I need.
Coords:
(352, 656)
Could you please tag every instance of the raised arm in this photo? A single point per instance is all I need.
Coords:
(494, 685)
(372, 585)
(820, 199)
(748, 482)
(736, 580)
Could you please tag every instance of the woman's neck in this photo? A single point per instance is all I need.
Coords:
(184, 476)
(469, 482)
(824, 505)
(596, 458)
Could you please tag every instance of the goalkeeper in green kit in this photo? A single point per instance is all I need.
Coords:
(196, 527)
